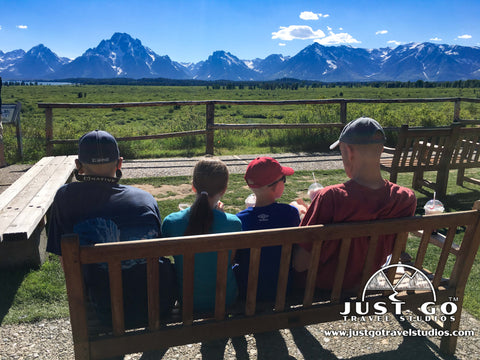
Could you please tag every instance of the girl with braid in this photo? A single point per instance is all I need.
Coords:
(205, 216)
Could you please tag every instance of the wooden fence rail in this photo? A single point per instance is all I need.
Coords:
(211, 126)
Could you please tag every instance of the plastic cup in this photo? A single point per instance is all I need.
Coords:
(250, 200)
(312, 190)
(433, 207)
(183, 206)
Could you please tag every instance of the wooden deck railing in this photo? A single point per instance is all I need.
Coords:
(211, 126)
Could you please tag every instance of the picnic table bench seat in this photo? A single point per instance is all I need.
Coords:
(251, 316)
(23, 208)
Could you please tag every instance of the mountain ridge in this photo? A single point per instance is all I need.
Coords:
(122, 56)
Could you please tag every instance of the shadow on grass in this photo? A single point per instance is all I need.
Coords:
(10, 281)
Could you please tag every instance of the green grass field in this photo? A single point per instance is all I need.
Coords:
(72, 123)
(33, 294)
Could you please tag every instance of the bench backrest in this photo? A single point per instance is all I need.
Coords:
(466, 152)
(427, 148)
(282, 313)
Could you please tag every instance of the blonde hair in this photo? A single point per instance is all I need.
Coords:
(210, 177)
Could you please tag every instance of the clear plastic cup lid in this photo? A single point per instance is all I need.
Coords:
(315, 186)
(434, 204)
(250, 200)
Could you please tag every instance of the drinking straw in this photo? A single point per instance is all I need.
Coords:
(314, 180)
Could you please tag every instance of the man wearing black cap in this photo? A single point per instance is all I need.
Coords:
(367, 196)
(99, 209)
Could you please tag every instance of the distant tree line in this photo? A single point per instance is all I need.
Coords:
(286, 83)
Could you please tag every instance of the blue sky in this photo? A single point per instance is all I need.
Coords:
(191, 30)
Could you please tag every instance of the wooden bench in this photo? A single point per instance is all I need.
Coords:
(23, 208)
(420, 150)
(311, 307)
(466, 154)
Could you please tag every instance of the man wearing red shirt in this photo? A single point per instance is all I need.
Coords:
(367, 196)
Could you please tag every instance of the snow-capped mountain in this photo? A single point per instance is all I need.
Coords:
(125, 57)
(122, 56)
(222, 65)
(38, 62)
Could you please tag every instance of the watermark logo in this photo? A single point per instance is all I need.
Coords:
(409, 279)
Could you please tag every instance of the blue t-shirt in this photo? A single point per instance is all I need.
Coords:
(273, 216)
(134, 211)
(103, 212)
(205, 273)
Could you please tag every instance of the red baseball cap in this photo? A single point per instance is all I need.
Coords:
(264, 171)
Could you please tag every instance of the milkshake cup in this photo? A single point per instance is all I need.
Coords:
(183, 206)
(433, 207)
(313, 189)
(250, 200)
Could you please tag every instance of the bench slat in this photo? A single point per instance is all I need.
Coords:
(312, 273)
(13, 190)
(188, 282)
(367, 267)
(27, 219)
(153, 289)
(282, 283)
(444, 256)
(340, 270)
(223, 261)
(422, 249)
(23, 213)
(252, 285)
(116, 297)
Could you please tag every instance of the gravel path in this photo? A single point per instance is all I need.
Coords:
(236, 164)
(49, 340)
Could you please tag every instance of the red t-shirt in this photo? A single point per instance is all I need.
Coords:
(351, 202)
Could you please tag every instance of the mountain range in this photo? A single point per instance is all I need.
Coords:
(125, 57)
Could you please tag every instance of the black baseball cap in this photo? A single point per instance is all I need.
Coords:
(97, 147)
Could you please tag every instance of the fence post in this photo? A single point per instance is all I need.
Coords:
(49, 131)
(456, 110)
(343, 111)
(210, 116)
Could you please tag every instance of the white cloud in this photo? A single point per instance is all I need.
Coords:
(394, 42)
(436, 38)
(297, 32)
(381, 32)
(282, 44)
(22, 26)
(466, 36)
(335, 39)
(309, 15)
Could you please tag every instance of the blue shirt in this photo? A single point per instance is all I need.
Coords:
(205, 273)
(273, 216)
(104, 212)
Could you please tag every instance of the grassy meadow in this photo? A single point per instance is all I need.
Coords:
(72, 123)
